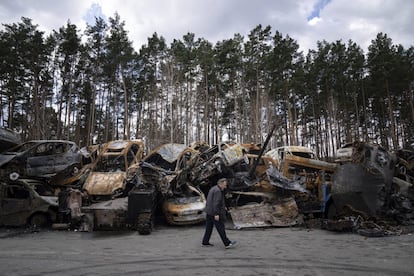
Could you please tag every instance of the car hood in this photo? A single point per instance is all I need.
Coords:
(6, 157)
(104, 183)
(184, 205)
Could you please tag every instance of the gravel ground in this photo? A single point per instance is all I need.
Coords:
(177, 251)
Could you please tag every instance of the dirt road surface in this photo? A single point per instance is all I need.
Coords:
(177, 251)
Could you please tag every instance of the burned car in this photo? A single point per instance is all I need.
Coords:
(26, 202)
(222, 160)
(186, 207)
(114, 164)
(183, 203)
(136, 211)
(39, 158)
(298, 170)
(280, 153)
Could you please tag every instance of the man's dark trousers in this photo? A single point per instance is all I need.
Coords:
(219, 224)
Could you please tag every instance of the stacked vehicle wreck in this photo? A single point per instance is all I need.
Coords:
(116, 186)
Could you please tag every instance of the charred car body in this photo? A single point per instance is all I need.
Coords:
(183, 203)
(39, 158)
(113, 166)
(26, 202)
(120, 195)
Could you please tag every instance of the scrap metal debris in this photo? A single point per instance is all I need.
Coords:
(268, 212)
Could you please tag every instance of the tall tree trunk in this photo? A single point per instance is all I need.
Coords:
(364, 106)
(37, 130)
(60, 111)
(206, 109)
(358, 119)
(291, 124)
(257, 136)
(107, 117)
(392, 118)
(127, 130)
(215, 118)
(197, 110)
(91, 121)
(68, 110)
(411, 104)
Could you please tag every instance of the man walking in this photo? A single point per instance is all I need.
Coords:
(216, 214)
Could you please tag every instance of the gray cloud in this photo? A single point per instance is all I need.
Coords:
(215, 20)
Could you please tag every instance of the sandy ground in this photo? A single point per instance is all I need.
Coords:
(177, 251)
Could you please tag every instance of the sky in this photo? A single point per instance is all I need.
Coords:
(306, 21)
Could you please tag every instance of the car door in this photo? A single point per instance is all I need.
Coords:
(15, 205)
(64, 156)
(41, 159)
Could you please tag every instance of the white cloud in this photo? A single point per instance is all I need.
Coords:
(314, 21)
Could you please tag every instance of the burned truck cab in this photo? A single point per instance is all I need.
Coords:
(363, 181)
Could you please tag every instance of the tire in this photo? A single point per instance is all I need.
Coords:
(38, 220)
(144, 224)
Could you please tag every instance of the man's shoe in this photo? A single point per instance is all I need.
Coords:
(207, 245)
(231, 244)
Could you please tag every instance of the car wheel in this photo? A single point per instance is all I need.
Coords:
(38, 220)
(144, 223)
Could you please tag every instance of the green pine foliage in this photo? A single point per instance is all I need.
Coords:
(93, 87)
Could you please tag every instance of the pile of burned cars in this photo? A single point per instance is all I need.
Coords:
(117, 186)
(113, 194)
(26, 170)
